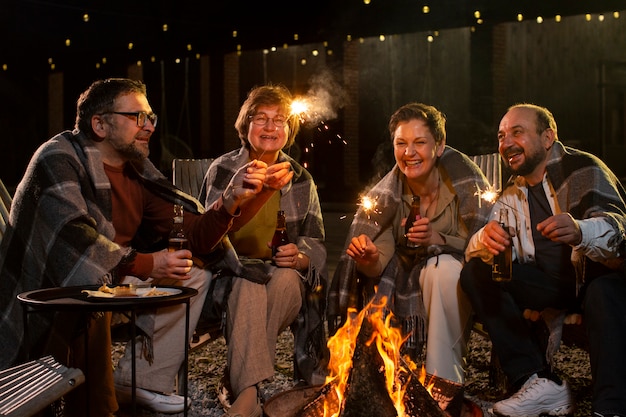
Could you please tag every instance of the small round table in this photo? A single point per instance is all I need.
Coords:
(73, 299)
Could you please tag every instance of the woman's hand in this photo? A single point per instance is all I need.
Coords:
(422, 233)
(363, 250)
(245, 184)
(288, 256)
(278, 175)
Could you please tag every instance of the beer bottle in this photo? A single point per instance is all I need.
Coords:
(177, 239)
(414, 214)
(280, 234)
(502, 268)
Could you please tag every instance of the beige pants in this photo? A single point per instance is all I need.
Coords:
(167, 340)
(449, 318)
(256, 315)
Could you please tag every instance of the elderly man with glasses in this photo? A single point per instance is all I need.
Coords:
(92, 209)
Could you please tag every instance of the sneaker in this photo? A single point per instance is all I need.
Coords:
(537, 396)
(153, 401)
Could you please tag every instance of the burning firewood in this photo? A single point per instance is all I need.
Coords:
(315, 408)
(367, 390)
(419, 402)
(366, 394)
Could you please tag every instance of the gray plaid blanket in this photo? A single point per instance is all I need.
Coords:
(60, 232)
(305, 227)
(399, 277)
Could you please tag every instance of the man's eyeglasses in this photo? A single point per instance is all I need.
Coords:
(261, 120)
(141, 116)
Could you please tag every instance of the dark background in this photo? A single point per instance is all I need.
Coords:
(476, 66)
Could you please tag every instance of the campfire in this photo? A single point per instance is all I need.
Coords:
(368, 376)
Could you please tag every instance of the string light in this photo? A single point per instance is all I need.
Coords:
(425, 9)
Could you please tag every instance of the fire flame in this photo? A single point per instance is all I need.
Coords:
(388, 340)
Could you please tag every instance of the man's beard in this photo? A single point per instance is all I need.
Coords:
(530, 163)
(133, 153)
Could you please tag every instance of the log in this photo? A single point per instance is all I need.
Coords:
(419, 402)
(366, 393)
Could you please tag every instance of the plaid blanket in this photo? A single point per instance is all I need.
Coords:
(585, 187)
(399, 278)
(305, 227)
(60, 231)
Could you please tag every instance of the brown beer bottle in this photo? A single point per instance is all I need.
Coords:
(177, 239)
(414, 214)
(280, 234)
(502, 268)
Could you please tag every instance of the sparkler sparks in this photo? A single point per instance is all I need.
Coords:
(491, 195)
(369, 206)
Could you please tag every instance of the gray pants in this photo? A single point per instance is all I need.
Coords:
(167, 340)
(256, 315)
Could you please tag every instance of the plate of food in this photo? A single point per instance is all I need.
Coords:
(130, 291)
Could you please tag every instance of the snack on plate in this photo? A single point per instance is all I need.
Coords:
(154, 292)
(119, 291)
(126, 291)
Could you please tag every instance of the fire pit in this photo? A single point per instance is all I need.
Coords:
(368, 377)
(290, 403)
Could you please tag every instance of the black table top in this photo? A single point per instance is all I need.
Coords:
(72, 298)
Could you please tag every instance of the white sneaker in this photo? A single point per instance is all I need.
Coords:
(537, 396)
(153, 401)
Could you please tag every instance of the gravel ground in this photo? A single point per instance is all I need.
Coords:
(206, 367)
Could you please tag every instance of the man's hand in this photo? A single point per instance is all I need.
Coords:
(561, 228)
(495, 238)
(172, 265)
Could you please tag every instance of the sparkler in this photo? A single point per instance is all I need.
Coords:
(369, 206)
(490, 195)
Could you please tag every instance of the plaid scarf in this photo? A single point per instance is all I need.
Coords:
(399, 280)
(60, 232)
(305, 227)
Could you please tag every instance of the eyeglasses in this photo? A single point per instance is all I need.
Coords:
(261, 120)
(141, 116)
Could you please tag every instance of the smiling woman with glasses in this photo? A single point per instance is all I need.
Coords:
(141, 116)
(295, 292)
